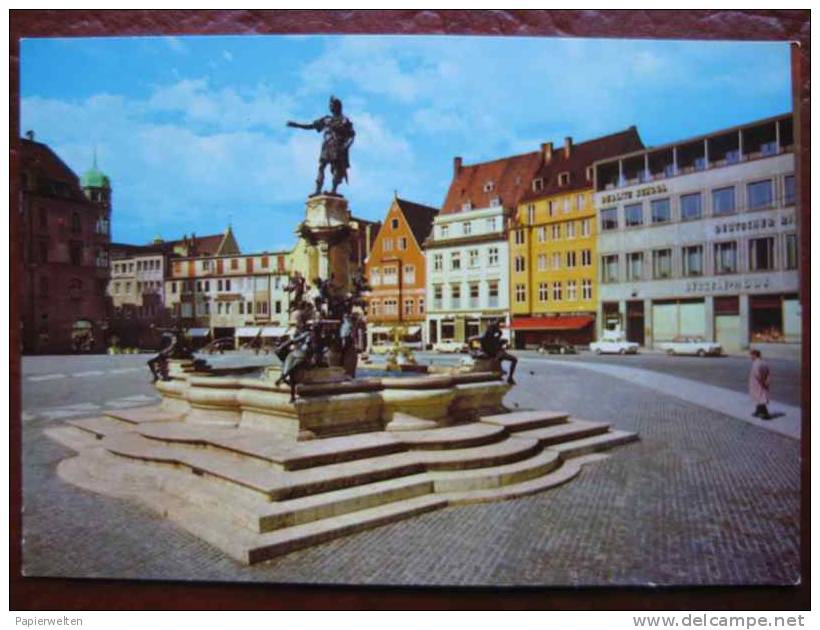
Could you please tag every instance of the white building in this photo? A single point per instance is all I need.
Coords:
(699, 238)
(467, 274)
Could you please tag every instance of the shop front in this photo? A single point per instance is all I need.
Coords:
(531, 332)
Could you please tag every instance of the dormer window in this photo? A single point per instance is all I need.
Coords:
(489, 187)
(537, 184)
(563, 178)
(466, 206)
(495, 202)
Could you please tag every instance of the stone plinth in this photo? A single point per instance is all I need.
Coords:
(324, 241)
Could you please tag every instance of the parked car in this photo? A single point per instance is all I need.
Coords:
(691, 345)
(613, 342)
(556, 346)
(450, 345)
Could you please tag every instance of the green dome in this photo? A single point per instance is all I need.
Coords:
(94, 178)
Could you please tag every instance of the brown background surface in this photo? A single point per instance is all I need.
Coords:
(64, 594)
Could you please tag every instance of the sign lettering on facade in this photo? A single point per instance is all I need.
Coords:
(723, 285)
(638, 193)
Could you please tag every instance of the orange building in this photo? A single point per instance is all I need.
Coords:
(396, 271)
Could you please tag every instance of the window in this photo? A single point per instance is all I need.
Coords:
(571, 229)
(394, 223)
(219, 308)
(234, 263)
(410, 274)
(207, 286)
(556, 232)
(520, 293)
(556, 260)
(609, 268)
(609, 219)
(586, 257)
(375, 307)
(265, 262)
(791, 251)
(492, 257)
(579, 202)
(474, 295)
(467, 228)
(691, 207)
(520, 264)
(455, 296)
(519, 237)
(467, 206)
(491, 224)
(438, 294)
(249, 308)
(788, 190)
(693, 260)
(542, 234)
(376, 276)
(571, 258)
(572, 290)
(206, 265)
(278, 307)
(227, 285)
(537, 184)
(586, 289)
(661, 210)
(551, 208)
(488, 186)
(531, 213)
(438, 262)
(408, 307)
(723, 201)
(219, 285)
(444, 231)
(585, 227)
(633, 214)
(492, 294)
(391, 307)
(387, 244)
(455, 261)
(634, 266)
(76, 253)
(563, 178)
(759, 194)
(543, 292)
(241, 308)
(662, 263)
(421, 306)
(402, 243)
(542, 262)
(473, 258)
(567, 205)
(761, 254)
(726, 257)
(495, 202)
(556, 291)
(390, 275)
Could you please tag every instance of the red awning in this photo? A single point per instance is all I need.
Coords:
(561, 322)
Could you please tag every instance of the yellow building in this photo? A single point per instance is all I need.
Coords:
(553, 259)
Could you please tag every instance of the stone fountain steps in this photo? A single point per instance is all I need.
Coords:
(570, 430)
(524, 420)
(100, 426)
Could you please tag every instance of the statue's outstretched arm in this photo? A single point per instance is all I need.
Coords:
(301, 125)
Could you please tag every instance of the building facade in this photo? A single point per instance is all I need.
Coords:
(468, 251)
(699, 238)
(396, 272)
(552, 240)
(64, 243)
(240, 296)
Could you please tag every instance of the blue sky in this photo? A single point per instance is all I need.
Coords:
(192, 132)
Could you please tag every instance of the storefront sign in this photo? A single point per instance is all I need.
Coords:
(638, 193)
(765, 223)
(723, 285)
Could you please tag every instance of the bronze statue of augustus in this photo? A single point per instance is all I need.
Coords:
(338, 137)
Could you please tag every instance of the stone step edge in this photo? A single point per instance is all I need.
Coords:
(571, 430)
(603, 441)
(540, 418)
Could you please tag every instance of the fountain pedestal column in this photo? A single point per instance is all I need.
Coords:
(325, 241)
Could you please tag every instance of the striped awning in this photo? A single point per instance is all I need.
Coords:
(247, 331)
(199, 332)
(274, 331)
(560, 322)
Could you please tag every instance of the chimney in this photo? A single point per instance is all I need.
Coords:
(456, 165)
(567, 146)
(546, 152)
(30, 135)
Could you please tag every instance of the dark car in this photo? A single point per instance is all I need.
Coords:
(556, 346)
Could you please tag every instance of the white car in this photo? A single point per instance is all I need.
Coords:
(696, 346)
(613, 342)
(450, 345)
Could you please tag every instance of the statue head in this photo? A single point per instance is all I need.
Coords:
(335, 106)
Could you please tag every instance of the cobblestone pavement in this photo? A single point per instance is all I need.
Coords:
(701, 499)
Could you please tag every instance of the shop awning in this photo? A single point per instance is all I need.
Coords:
(380, 330)
(247, 331)
(413, 330)
(561, 322)
(274, 331)
(199, 332)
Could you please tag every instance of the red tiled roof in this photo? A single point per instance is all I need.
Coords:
(581, 156)
(510, 178)
(560, 322)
